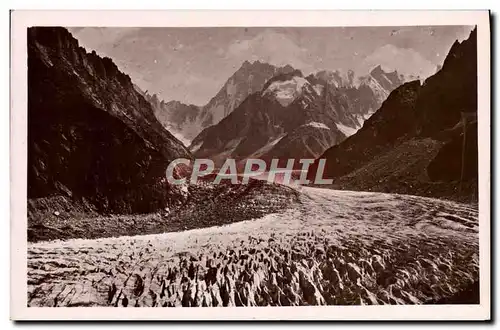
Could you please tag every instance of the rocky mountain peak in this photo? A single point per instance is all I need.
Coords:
(377, 70)
(387, 79)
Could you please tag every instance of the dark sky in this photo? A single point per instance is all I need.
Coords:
(192, 64)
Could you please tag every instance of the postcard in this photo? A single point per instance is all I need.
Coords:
(250, 165)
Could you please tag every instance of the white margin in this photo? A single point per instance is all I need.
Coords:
(23, 19)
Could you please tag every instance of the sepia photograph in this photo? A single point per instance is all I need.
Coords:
(340, 161)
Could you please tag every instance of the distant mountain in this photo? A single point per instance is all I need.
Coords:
(178, 118)
(409, 62)
(288, 104)
(381, 82)
(353, 100)
(337, 78)
(186, 121)
(413, 143)
(376, 78)
(248, 79)
(91, 135)
(294, 116)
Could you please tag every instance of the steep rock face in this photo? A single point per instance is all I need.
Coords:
(91, 135)
(337, 78)
(414, 115)
(451, 91)
(307, 141)
(388, 81)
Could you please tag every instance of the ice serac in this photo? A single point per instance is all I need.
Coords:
(91, 135)
(408, 144)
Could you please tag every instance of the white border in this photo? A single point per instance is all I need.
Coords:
(23, 19)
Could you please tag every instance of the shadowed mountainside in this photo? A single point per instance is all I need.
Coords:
(91, 136)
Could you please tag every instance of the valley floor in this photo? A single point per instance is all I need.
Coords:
(329, 248)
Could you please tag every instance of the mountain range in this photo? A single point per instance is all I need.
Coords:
(293, 116)
(95, 137)
(187, 121)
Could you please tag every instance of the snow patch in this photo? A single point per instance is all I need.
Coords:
(319, 89)
(231, 145)
(275, 141)
(196, 147)
(346, 130)
(368, 114)
(317, 125)
(287, 91)
(230, 87)
(362, 118)
(308, 98)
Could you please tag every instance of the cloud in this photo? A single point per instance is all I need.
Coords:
(238, 47)
(406, 61)
(98, 38)
(272, 47)
(173, 61)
